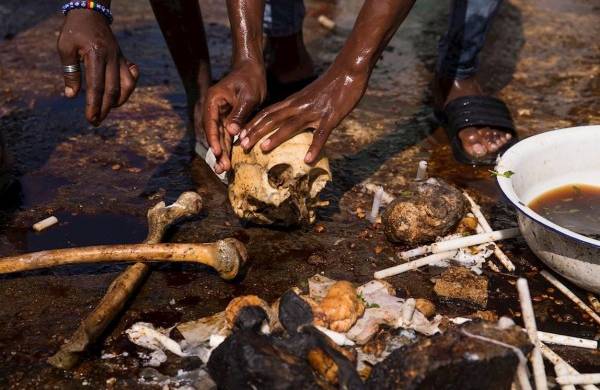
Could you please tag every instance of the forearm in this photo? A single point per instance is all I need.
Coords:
(245, 17)
(377, 22)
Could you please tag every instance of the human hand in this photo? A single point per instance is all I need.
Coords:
(228, 104)
(320, 106)
(110, 78)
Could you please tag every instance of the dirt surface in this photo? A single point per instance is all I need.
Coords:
(542, 58)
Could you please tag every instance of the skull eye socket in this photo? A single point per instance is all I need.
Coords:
(280, 175)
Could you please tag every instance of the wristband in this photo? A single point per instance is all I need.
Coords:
(93, 5)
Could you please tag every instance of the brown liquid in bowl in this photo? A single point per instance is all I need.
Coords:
(575, 207)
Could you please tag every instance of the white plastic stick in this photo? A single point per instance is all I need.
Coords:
(581, 379)
(537, 362)
(326, 22)
(556, 359)
(376, 205)
(565, 290)
(45, 223)
(485, 226)
(462, 242)
(422, 171)
(553, 338)
(386, 198)
(411, 265)
(561, 370)
(408, 310)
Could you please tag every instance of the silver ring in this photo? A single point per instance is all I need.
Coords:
(71, 68)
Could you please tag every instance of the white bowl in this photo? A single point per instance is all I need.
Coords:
(544, 162)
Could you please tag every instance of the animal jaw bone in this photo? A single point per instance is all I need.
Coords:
(277, 187)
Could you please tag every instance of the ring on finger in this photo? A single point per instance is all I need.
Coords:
(71, 68)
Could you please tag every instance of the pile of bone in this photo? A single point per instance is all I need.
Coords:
(335, 335)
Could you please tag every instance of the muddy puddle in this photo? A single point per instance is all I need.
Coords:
(99, 182)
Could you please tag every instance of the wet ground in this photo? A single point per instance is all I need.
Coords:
(542, 57)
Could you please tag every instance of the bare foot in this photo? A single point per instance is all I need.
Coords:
(478, 142)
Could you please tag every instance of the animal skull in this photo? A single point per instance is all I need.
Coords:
(277, 187)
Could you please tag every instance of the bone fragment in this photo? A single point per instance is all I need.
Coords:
(581, 379)
(411, 265)
(565, 290)
(552, 338)
(556, 359)
(160, 217)
(463, 242)
(337, 337)
(422, 171)
(539, 373)
(326, 22)
(561, 369)
(376, 205)
(387, 309)
(45, 223)
(225, 256)
(486, 228)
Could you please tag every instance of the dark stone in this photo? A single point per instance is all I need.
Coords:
(247, 359)
(453, 360)
(251, 317)
(294, 312)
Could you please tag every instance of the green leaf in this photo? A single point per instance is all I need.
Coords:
(373, 306)
(506, 174)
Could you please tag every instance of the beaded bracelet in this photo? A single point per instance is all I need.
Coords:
(93, 5)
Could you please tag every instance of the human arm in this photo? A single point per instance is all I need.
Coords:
(233, 99)
(323, 104)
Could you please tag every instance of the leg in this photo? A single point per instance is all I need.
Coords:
(181, 24)
(457, 66)
(289, 60)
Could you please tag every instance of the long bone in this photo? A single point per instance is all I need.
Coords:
(160, 217)
(226, 256)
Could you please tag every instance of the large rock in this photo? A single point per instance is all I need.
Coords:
(453, 360)
(425, 211)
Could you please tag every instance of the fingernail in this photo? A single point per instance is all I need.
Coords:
(508, 136)
(243, 135)
(265, 144)
(245, 142)
(308, 157)
(69, 92)
(234, 128)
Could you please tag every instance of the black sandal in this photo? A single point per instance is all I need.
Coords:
(476, 111)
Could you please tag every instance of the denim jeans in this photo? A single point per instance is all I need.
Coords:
(283, 17)
(458, 49)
